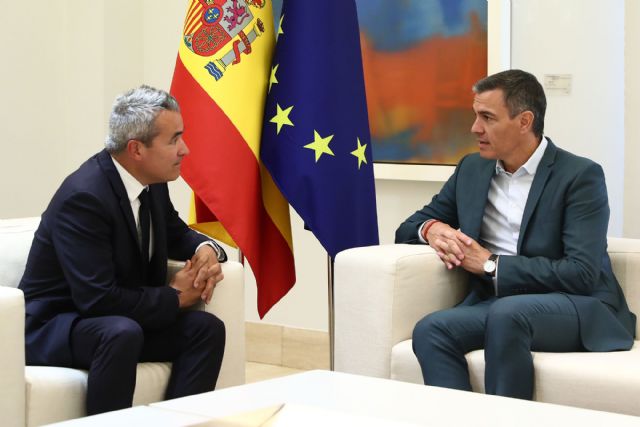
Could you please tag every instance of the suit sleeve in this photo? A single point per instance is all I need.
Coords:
(583, 239)
(82, 238)
(182, 241)
(443, 207)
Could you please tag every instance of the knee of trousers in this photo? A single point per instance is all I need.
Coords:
(429, 333)
(207, 326)
(123, 335)
(507, 317)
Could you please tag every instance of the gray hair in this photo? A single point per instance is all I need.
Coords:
(522, 92)
(133, 116)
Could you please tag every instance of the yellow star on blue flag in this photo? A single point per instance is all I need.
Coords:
(360, 153)
(273, 79)
(282, 117)
(320, 145)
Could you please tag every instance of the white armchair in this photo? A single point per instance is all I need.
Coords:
(382, 291)
(36, 395)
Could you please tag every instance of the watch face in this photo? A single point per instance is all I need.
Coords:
(489, 266)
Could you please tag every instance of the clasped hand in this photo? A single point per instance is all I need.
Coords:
(456, 249)
(197, 279)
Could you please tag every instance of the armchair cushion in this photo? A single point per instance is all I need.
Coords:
(17, 235)
(59, 393)
(380, 294)
(12, 380)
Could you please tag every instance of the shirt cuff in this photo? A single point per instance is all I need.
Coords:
(220, 253)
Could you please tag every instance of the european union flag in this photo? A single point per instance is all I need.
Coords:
(315, 136)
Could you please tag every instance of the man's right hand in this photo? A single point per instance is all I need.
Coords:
(448, 243)
(188, 295)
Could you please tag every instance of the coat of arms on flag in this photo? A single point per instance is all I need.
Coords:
(219, 28)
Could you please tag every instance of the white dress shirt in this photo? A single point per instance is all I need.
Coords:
(508, 193)
(506, 200)
(133, 187)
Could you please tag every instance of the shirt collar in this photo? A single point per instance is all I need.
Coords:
(132, 186)
(531, 166)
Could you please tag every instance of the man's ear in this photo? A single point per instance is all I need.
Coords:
(134, 149)
(526, 121)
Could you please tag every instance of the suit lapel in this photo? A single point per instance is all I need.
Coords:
(158, 261)
(477, 200)
(539, 182)
(106, 164)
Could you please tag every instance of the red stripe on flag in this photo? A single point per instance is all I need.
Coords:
(203, 214)
(192, 25)
(193, 14)
(223, 172)
(190, 15)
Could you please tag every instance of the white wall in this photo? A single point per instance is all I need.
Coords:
(63, 63)
(632, 120)
(583, 38)
(52, 111)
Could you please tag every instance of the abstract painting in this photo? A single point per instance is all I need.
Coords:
(420, 59)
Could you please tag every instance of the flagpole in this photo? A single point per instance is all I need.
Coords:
(331, 312)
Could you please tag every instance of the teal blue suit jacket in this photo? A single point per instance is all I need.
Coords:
(562, 245)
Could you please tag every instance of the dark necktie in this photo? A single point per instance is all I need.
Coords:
(145, 220)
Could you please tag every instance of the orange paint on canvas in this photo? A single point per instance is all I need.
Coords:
(427, 87)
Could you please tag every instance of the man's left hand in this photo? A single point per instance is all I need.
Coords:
(208, 271)
(474, 258)
(473, 254)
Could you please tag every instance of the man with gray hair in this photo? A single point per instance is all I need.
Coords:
(94, 282)
(527, 221)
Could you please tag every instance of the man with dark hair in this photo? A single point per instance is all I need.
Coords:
(528, 222)
(94, 282)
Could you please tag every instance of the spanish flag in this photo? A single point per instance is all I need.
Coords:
(220, 80)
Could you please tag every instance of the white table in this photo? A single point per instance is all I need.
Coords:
(343, 398)
(143, 416)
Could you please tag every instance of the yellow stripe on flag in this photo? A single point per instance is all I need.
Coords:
(276, 205)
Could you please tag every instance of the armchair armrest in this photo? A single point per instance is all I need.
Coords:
(380, 292)
(228, 305)
(12, 382)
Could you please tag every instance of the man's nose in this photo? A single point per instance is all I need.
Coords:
(183, 149)
(476, 127)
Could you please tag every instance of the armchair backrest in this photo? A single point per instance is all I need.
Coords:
(16, 236)
(625, 260)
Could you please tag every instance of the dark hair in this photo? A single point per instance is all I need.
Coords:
(522, 92)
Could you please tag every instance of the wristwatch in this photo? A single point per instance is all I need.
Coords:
(490, 265)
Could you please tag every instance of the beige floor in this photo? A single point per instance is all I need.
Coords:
(262, 371)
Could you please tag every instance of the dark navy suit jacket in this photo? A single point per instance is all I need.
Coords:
(85, 260)
(562, 246)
